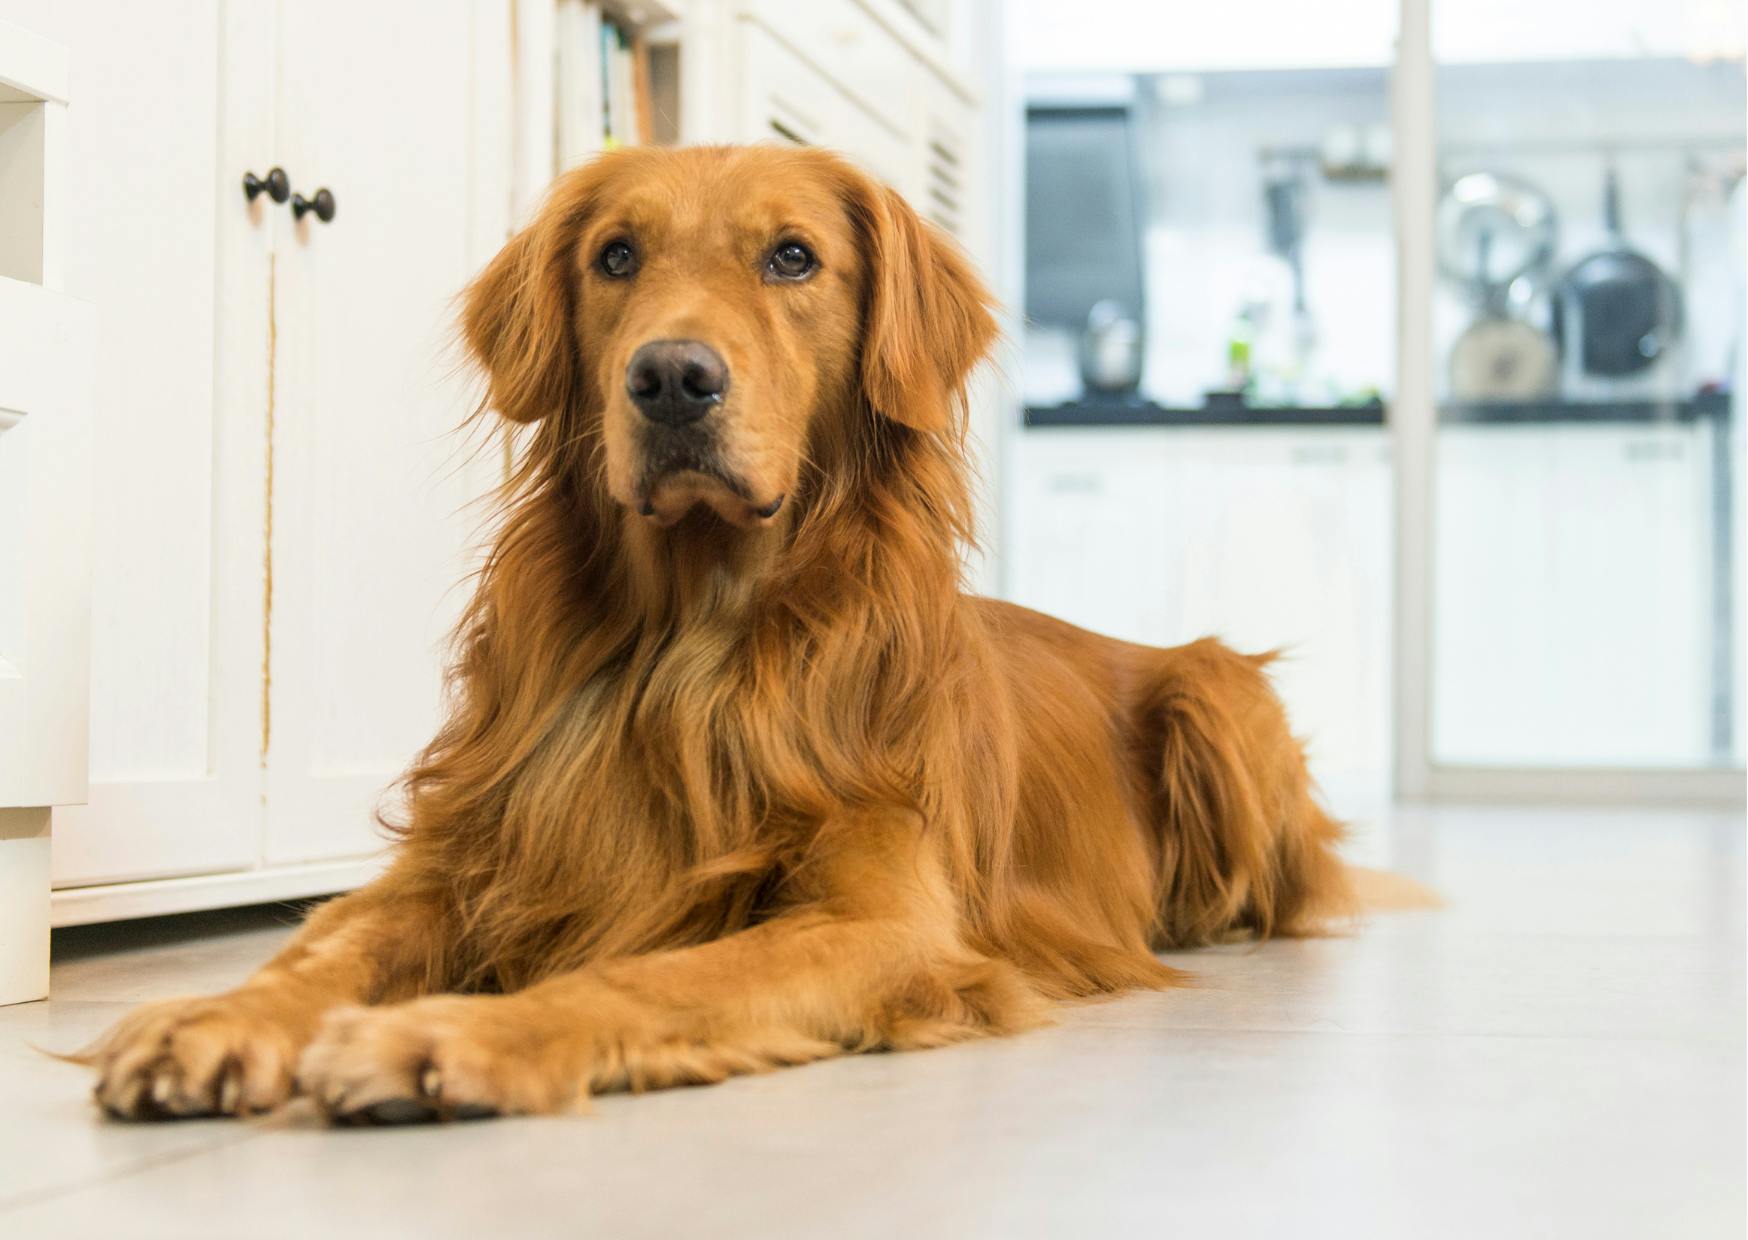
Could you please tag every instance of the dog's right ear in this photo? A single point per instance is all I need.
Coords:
(519, 316)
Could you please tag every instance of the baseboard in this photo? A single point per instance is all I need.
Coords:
(1701, 788)
(79, 906)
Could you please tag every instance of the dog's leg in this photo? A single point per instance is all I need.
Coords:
(867, 956)
(235, 1053)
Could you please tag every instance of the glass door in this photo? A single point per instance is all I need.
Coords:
(1582, 316)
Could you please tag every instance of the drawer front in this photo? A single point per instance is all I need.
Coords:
(867, 62)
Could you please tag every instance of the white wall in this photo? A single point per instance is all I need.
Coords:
(1483, 31)
(1144, 36)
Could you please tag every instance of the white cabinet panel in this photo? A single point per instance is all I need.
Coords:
(1089, 535)
(1263, 538)
(175, 639)
(783, 99)
(1286, 545)
(45, 544)
(45, 504)
(870, 66)
(786, 99)
(1572, 610)
(371, 489)
(949, 167)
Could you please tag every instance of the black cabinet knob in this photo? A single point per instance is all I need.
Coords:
(322, 204)
(277, 185)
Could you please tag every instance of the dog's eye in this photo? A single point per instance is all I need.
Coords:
(617, 260)
(791, 261)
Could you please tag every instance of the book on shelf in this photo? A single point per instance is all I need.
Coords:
(601, 84)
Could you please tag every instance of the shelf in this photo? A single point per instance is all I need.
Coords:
(642, 15)
(32, 69)
(33, 93)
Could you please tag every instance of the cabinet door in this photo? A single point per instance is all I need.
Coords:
(371, 513)
(870, 70)
(153, 198)
(1090, 542)
(1285, 538)
(1265, 539)
(1532, 619)
(45, 544)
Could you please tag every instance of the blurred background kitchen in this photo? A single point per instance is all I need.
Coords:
(1418, 358)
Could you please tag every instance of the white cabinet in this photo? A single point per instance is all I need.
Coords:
(785, 98)
(282, 519)
(170, 789)
(371, 516)
(45, 543)
(861, 77)
(45, 502)
(1572, 612)
(1266, 538)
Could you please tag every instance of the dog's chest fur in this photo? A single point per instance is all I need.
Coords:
(655, 810)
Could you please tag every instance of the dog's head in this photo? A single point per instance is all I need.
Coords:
(712, 317)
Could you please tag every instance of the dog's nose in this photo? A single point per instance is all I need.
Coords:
(676, 381)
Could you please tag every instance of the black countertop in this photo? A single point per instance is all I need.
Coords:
(1225, 413)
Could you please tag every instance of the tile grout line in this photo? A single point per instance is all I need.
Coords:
(36, 1197)
(1465, 1035)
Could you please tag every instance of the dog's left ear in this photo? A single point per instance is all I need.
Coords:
(928, 314)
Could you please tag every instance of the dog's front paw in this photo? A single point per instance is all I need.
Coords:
(230, 1054)
(447, 1057)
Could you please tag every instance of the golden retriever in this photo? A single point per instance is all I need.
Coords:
(734, 775)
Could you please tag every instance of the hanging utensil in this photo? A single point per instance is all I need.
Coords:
(1496, 238)
(1499, 357)
(1616, 306)
(1515, 216)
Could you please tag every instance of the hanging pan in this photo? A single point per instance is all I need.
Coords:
(1625, 312)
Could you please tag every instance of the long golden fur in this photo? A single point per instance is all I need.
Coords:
(734, 775)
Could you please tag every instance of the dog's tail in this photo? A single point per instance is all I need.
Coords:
(1384, 891)
(1243, 845)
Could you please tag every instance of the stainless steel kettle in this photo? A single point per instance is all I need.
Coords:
(1110, 350)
